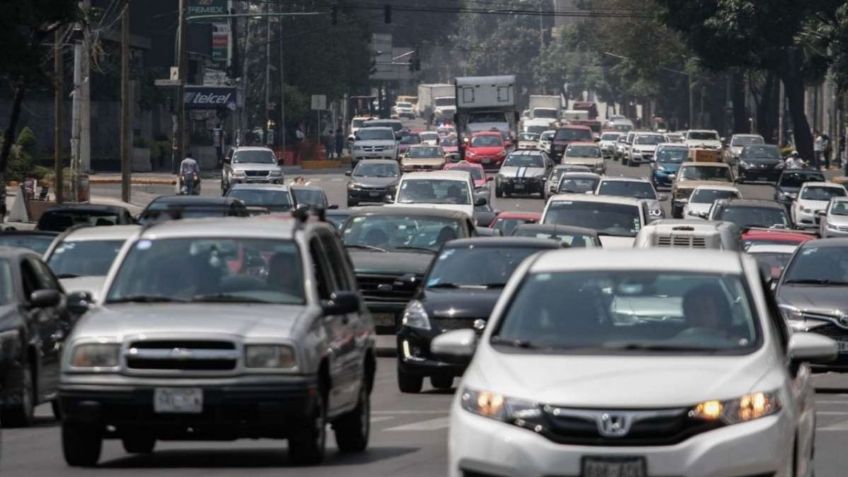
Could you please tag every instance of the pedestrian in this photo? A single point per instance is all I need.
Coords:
(827, 151)
(818, 149)
(340, 140)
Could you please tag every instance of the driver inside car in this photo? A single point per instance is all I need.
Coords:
(707, 315)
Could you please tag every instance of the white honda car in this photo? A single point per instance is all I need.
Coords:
(812, 199)
(634, 363)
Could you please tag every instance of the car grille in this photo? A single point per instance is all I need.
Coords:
(448, 324)
(182, 355)
(256, 173)
(382, 289)
(373, 148)
(681, 241)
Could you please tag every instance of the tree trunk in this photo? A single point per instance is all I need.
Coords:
(766, 109)
(793, 83)
(737, 95)
(8, 140)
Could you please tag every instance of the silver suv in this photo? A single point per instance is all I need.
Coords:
(374, 143)
(251, 165)
(218, 330)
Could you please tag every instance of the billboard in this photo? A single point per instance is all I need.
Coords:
(210, 97)
(207, 7)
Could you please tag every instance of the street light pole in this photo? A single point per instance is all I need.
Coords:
(182, 65)
(691, 101)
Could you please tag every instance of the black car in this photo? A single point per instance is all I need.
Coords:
(63, 217)
(33, 324)
(311, 196)
(175, 207)
(759, 162)
(391, 249)
(812, 292)
(748, 214)
(459, 291)
(37, 241)
(790, 182)
(573, 237)
(372, 181)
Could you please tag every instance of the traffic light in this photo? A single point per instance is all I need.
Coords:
(387, 13)
(334, 15)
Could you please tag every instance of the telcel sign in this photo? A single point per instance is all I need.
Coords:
(210, 97)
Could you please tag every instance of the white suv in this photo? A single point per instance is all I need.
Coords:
(374, 143)
(636, 363)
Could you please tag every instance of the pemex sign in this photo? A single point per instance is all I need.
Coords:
(207, 7)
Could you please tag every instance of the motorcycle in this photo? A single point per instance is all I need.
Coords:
(188, 184)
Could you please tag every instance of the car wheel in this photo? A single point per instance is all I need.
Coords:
(408, 383)
(307, 446)
(624, 161)
(352, 429)
(81, 444)
(20, 414)
(441, 382)
(139, 444)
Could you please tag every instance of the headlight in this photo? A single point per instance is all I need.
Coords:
(746, 408)
(353, 185)
(96, 355)
(415, 316)
(744, 164)
(793, 316)
(499, 407)
(656, 212)
(238, 173)
(470, 153)
(275, 173)
(269, 357)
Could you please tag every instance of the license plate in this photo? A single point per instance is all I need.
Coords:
(614, 467)
(487, 161)
(519, 186)
(178, 400)
(384, 319)
(374, 194)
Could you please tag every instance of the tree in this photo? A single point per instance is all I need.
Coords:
(24, 26)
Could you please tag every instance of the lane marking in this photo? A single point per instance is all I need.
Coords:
(839, 426)
(832, 413)
(428, 425)
(381, 418)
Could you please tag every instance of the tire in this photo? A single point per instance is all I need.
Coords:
(21, 414)
(81, 444)
(408, 383)
(441, 382)
(139, 444)
(307, 446)
(353, 429)
(624, 161)
(498, 192)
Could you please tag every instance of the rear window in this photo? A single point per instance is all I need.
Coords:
(797, 179)
(61, 220)
(573, 134)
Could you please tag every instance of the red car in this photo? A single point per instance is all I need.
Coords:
(776, 237)
(478, 175)
(487, 149)
(507, 222)
(565, 136)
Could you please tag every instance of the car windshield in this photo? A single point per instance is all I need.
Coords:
(61, 220)
(635, 189)
(762, 151)
(536, 130)
(273, 200)
(237, 270)
(450, 141)
(375, 134)
(507, 225)
(395, 126)
(84, 258)
(814, 265)
(672, 154)
(528, 136)
(429, 136)
(524, 160)
(545, 113)
(745, 140)
(797, 179)
(547, 136)
(708, 196)
(703, 136)
(706, 173)
(745, 216)
(610, 137)
(476, 267)
(649, 140)
(310, 197)
(403, 105)
(840, 207)
(611, 219)
(573, 240)
(822, 192)
(410, 139)
(434, 191)
(771, 263)
(627, 311)
(425, 152)
(476, 173)
(357, 123)
(583, 151)
(577, 184)
(486, 141)
(254, 157)
(573, 134)
(370, 169)
(37, 243)
(399, 232)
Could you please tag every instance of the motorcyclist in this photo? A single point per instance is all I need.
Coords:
(794, 161)
(189, 174)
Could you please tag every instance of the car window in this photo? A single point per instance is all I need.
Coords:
(524, 160)
(486, 141)
(610, 219)
(703, 135)
(839, 207)
(609, 137)
(583, 151)
(84, 257)
(631, 311)
(61, 220)
(343, 281)
(635, 189)
(822, 193)
(275, 200)
(708, 196)
(578, 185)
(400, 232)
(745, 140)
(476, 267)
(762, 151)
(37, 243)
(324, 281)
(254, 157)
(7, 283)
(672, 154)
(310, 197)
(508, 225)
(573, 240)
(814, 265)
(697, 173)
(571, 134)
(409, 139)
(375, 134)
(425, 152)
(649, 140)
(450, 141)
(372, 169)
(434, 191)
(476, 172)
(753, 216)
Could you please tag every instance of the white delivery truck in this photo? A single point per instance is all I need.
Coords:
(485, 103)
(545, 107)
(429, 95)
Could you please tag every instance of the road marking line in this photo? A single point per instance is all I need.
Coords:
(381, 418)
(404, 412)
(428, 425)
(832, 402)
(832, 413)
(839, 426)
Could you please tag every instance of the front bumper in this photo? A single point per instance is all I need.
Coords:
(806, 220)
(411, 166)
(232, 408)
(522, 185)
(258, 180)
(840, 231)
(368, 194)
(488, 162)
(478, 444)
(642, 158)
(662, 178)
(413, 351)
(357, 156)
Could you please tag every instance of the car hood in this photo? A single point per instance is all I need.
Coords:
(423, 160)
(91, 285)
(838, 219)
(486, 151)
(814, 298)
(390, 263)
(609, 241)
(597, 381)
(123, 321)
(466, 209)
(515, 172)
(812, 204)
(255, 167)
(375, 181)
(461, 303)
(644, 148)
(669, 167)
(689, 184)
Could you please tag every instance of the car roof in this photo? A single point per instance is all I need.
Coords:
(46, 233)
(752, 203)
(833, 185)
(222, 227)
(788, 248)
(675, 260)
(85, 207)
(746, 135)
(259, 187)
(409, 210)
(487, 133)
(378, 161)
(582, 175)
(623, 179)
(583, 143)
(648, 133)
(575, 126)
(828, 242)
(437, 175)
(519, 215)
(556, 228)
(570, 166)
(387, 127)
(775, 234)
(252, 148)
(459, 165)
(114, 232)
(703, 130)
(605, 199)
(194, 200)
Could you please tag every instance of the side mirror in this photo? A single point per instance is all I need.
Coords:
(79, 302)
(490, 179)
(809, 348)
(45, 298)
(348, 173)
(662, 196)
(480, 201)
(457, 345)
(341, 303)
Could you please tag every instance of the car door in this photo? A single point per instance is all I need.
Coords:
(46, 325)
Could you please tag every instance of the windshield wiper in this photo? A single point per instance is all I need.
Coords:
(147, 299)
(815, 281)
(494, 285)
(225, 298)
(656, 347)
(66, 275)
(410, 247)
(366, 247)
(451, 286)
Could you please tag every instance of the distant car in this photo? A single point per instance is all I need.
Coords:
(772, 259)
(667, 160)
(448, 190)
(422, 158)
(430, 138)
(585, 154)
(507, 222)
(634, 188)
(759, 162)
(175, 207)
(616, 219)
(459, 292)
(487, 149)
(834, 219)
(249, 165)
(812, 199)
(738, 142)
(643, 148)
(567, 135)
(747, 213)
(703, 198)
(675, 138)
(524, 172)
(573, 237)
(310, 196)
(545, 141)
(694, 174)
(338, 217)
(403, 109)
(790, 182)
(372, 181)
(607, 143)
(478, 176)
(394, 124)
(578, 183)
(355, 124)
(484, 216)
(703, 139)
(450, 146)
(374, 143)
(552, 182)
(689, 233)
(63, 217)
(273, 197)
(528, 140)
(35, 240)
(406, 141)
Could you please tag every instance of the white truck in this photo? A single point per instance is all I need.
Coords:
(428, 95)
(545, 107)
(485, 103)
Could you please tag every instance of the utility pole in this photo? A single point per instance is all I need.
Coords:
(267, 71)
(75, 115)
(126, 129)
(691, 101)
(58, 113)
(182, 65)
(282, 92)
(244, 82)
(780, 112)
(85, 95)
